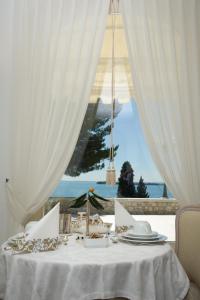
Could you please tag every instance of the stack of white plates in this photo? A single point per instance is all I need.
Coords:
(150, 238)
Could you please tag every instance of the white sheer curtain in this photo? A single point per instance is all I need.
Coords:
(164, 49)
(55, 50)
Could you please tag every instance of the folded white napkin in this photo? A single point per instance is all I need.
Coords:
(122, 216)
(29, 225)
(47, 227)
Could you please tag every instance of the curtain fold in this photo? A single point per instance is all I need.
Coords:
(55, 49)
(164, 50)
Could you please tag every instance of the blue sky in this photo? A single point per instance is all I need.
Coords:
(129, 136)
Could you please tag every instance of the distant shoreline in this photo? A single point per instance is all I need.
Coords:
(67, 188)
(149, 183)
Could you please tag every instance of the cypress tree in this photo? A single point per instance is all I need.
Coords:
(142, 189)
(126, 186)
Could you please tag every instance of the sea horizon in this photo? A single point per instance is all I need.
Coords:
(97, 181)
(70, 188)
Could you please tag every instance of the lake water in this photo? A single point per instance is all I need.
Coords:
(76, 188)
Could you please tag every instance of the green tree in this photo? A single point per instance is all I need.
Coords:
(126, 186)
(165, 195)
(91, 149)
(142, 189)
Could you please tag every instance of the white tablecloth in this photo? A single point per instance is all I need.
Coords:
(76, 273)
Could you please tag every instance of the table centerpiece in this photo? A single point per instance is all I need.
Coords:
(92, 239)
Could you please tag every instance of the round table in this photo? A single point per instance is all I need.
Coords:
(73, 272)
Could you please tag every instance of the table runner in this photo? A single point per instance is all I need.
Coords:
(73, 272)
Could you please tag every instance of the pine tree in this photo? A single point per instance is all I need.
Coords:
(142, 189)
(165, 195)
(126, 186)
(91, 149)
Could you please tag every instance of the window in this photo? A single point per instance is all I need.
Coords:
(90, 159)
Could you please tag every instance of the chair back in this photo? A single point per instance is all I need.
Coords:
(188, 241)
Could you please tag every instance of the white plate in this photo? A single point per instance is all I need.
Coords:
(142, 238)
(153, 234)
(17, 237)
(162, 238)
